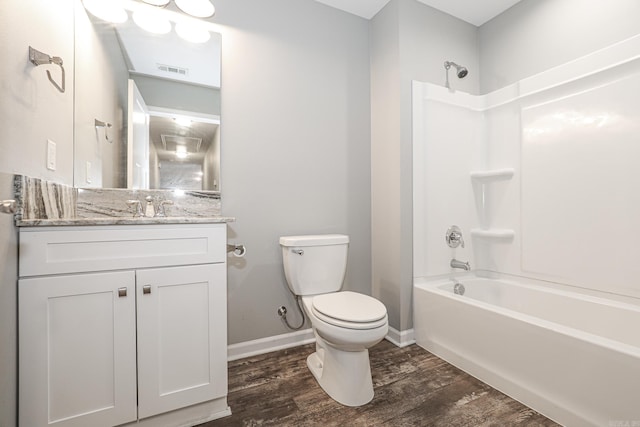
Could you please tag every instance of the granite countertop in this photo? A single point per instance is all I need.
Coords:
(122, 221)
(49, 204)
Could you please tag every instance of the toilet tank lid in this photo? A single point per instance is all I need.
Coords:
(314, 240)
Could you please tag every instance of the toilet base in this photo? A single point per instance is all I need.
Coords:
(344, 375)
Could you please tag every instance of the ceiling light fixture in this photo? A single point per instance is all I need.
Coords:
(195, 8)
(161, 3)
(182, 121)
(181, 152)
(156, 20)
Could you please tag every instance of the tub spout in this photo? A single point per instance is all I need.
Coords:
(459, 264)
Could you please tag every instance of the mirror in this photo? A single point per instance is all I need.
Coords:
(147, 106)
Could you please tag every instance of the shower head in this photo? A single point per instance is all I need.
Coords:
(461, 71)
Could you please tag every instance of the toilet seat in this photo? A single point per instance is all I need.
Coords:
(349, 310)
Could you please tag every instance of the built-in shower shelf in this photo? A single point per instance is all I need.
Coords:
(492, 175)
(493, 233)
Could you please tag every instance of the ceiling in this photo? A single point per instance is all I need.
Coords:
(165, 133)
(168, 56)
(475, 12)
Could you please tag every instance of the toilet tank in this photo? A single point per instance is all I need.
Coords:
(314, 264)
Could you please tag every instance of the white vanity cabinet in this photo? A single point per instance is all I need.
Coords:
(122, 324)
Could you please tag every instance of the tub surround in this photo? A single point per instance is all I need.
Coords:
(551, 161)
(542, 346)
(46, 203)
(545, 163)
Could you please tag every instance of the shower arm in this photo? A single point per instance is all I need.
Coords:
(446, 73)
(447, 66)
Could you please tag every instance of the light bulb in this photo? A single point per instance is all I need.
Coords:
(192, 32)
(107, 10)
(152, 22)
(197, 8)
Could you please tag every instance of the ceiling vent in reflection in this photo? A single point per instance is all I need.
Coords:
(173, 69)
(170, 142)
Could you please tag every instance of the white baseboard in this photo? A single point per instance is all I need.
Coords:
(400, 339)
(269, 344)
(294, 339)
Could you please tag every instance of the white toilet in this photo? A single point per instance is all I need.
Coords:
(345, 323)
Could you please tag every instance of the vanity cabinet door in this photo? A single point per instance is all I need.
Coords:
(77, 349)
(182, 336)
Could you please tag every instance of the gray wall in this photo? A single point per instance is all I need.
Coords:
(409, 41)
(31, 111)
(295, 146)
(8, 310)
(535, 35)
(386, 166)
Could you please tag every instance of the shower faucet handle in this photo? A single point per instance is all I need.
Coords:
(454, 237)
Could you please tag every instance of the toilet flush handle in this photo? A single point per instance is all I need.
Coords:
(297, 251)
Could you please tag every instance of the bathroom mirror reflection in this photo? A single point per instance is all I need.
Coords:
(147, 106)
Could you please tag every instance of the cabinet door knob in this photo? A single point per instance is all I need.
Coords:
(122, 292)
(146, 289)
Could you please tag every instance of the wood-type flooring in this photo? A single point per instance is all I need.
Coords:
(412, 388)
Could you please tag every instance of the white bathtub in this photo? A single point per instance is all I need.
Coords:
(572, 357)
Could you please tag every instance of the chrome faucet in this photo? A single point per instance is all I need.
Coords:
(160, 210)
(459, 264)
(137, 207)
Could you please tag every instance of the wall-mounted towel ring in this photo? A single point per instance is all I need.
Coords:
(106, 126)
(38, 58)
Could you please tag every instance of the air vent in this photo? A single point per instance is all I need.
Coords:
(169, 142)
(173, 69)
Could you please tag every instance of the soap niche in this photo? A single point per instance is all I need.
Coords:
(485, 183)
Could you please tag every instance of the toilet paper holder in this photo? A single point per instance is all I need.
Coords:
(237, 250)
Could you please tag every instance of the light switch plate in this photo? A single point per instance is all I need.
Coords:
(51, 155)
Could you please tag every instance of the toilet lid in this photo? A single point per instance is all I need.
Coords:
(350, 307)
